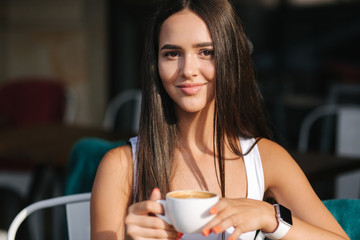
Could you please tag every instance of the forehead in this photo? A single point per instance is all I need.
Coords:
(184, 26)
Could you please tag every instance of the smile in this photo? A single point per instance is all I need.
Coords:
(190, 89)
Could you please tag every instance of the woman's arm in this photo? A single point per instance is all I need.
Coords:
(110, 210)
(285, 181)
(111, 194)
(287, 184)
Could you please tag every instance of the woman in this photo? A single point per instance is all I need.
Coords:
(201, 127)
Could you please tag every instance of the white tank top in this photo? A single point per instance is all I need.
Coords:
(255, 186)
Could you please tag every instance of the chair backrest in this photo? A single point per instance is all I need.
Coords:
(347, 142)
(347, 128)
(77, 214)
(83, 162)
(115, 104)
(78, 219)
(348, 131)
(36, 100)
(338, 93)
(346, 212)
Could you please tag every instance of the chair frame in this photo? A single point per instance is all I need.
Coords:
(342, 181)
(115, 104)
(48, 203)
(312, 117)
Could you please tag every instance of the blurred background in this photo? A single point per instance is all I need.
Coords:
(64, 62)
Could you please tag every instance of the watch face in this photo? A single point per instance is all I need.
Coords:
(285, 214)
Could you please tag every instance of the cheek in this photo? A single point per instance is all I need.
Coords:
(167, 71)
(209, 71)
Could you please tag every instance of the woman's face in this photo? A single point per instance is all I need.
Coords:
(186, 61)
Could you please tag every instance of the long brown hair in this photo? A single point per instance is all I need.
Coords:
(237, 103)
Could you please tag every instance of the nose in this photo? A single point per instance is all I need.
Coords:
(189, 68)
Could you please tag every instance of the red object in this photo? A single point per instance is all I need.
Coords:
(30, 101)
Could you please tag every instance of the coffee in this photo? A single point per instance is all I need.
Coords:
(188, 210)
(191, 194)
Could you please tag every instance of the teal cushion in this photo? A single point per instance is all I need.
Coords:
(84, 159)
(347, 213)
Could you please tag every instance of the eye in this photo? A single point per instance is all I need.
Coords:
(207, 53)
(172, 54)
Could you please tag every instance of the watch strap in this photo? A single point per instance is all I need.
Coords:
(282, 228)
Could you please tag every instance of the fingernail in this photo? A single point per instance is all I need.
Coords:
(156, 190)
(180, 234)
(213, 210)
(230, 238)
(206, 232)
(216, 229)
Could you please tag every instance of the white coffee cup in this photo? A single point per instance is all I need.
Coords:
(188, 210)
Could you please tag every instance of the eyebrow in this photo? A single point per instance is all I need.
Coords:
(173, 46)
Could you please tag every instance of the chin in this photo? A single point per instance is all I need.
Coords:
(193, 108)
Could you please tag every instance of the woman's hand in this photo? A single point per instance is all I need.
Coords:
(244, 215)
(142, 224)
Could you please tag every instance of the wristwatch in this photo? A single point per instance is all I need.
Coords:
(284, 219)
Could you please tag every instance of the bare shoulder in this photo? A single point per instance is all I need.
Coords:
(270, 149)
(115, 170)
(278, 165)
(274, 155)
(111, 192)
(117, 159)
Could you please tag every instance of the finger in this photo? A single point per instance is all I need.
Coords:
(218, 207)
(225, 218)
(155, 195)
(236, 234)
(138, 232)
(209, 227)
(179, 236)
(148, 227)
(216, 229)
(148, 222)
(224, 224)
(146, 207)
(221, 213)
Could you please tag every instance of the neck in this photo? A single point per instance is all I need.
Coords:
(196, 129)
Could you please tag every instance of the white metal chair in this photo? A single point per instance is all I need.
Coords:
(72, 104)
(347, 142)
(25, 181)
(338, 93)
(77, 215)
(115, 104)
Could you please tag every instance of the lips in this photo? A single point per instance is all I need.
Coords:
(190, 88)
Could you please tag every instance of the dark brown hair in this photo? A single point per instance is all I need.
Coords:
(237, 105)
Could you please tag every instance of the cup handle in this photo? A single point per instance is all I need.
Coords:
(163, 217)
